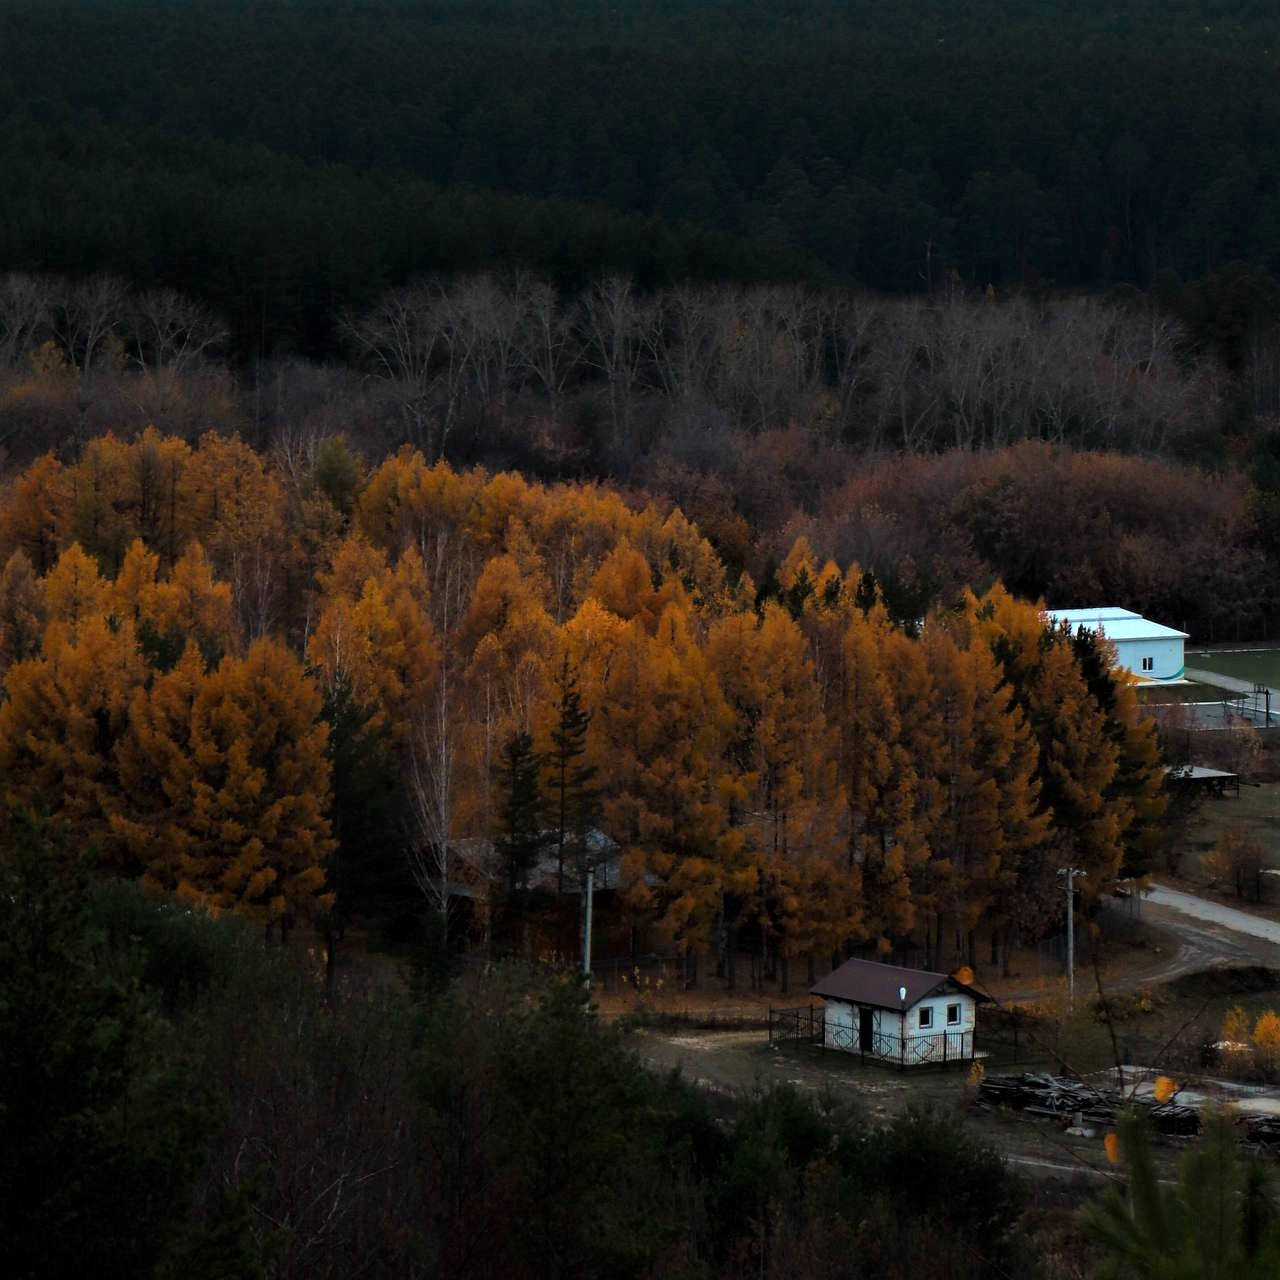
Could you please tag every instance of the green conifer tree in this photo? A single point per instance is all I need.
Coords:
(573, 799)
(521, 836)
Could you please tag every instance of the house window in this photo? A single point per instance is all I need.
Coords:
(1148, 664)
(953, 1015)
(926, 1018)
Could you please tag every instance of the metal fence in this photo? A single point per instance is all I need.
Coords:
(808, 1025)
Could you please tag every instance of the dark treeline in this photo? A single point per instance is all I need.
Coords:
(281, 249)
(1063, 142)
(178, 1101)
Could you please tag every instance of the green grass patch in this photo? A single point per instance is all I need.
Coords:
(1261, 666)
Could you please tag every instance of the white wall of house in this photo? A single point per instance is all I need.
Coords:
(1166, 658)
(928, 1043)
(843, 1024)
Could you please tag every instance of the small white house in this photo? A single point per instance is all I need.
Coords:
(902, 1016)
(1146, 649)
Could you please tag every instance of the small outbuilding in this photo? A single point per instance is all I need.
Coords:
(1147, 650)
(907, 1017)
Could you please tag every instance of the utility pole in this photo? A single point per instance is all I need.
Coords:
(589, 887)
(1069, 874)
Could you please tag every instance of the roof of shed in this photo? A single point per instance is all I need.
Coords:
(871, 983)
(1114, 623)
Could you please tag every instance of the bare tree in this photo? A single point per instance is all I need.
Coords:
(547, 346)
(173, 335)
(433, 747)
(490, 318)
(401, 339)
(615, 323)
(26, 306)
(848, 323)
(87, 319)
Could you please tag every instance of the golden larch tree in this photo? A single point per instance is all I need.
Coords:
(260, 794)
(66, 710)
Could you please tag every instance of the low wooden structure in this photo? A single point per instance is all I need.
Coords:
(1198, 777)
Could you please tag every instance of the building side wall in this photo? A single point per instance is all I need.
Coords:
(927, 1045)
(897, 1037)
(1168, 657)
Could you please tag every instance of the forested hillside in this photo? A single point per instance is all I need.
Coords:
(446, 447)
(1062, 142)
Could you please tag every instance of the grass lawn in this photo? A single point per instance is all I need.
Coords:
(1261, 666)
(1256, 811)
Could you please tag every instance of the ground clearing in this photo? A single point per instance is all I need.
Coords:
(731, 1064)
(1256, 811)
(1165, 1026)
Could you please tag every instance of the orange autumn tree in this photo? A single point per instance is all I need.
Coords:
(157, 771)
(74, 592)
(22, 611)
(659, 739)
(258, 831)
(988, 818)
(891, 770)
(34, 513)
(783, 753)
(236, 507)
(373, 637)
(1100, 771)
(66, 710)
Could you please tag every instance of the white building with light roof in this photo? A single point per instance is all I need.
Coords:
(1149, 650)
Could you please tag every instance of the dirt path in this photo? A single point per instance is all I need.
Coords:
(1248, 928)
(1210, 935)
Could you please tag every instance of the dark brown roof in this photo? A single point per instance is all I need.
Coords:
(871, 983)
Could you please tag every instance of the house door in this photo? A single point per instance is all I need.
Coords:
(866, 1030)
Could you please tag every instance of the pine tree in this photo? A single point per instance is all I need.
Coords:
(521, 837)
(570, 780)
(102, 1126)
(368, 869)
(1220, 1221)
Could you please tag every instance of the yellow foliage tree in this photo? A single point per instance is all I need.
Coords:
(783, 754)
(1236, 1027)
(1266, 1035)
(66, 710)
(259, 834)
(33, 513)
(22, 615)
(157, 773)
(658, 740)
(74, 592)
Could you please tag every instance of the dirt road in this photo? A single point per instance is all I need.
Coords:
(1210, 934)
(1215, 913)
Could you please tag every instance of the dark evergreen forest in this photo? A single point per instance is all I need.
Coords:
(1068, 145)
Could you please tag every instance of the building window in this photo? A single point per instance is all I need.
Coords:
(1148, 664)
(953, 1015)
(926, 1018)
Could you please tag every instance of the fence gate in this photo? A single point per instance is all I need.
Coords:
(804, 1024)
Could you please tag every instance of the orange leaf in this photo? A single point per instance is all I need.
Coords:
(1112, 1144)
(1164, 1088)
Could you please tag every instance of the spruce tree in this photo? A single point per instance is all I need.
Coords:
(571, 792)
(521, 836)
